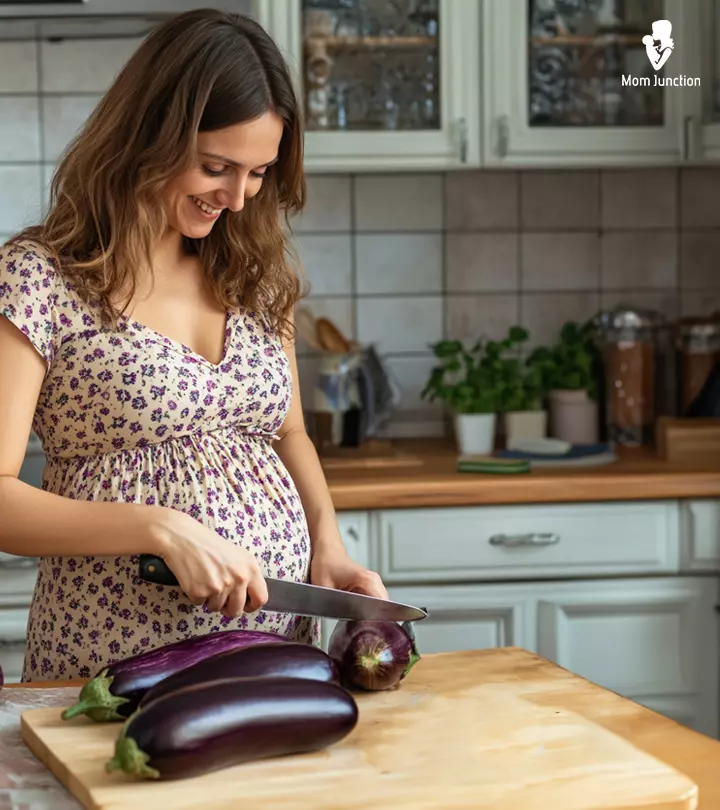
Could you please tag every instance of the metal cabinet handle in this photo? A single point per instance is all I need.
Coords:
(514, 540)
(13, 562)
(463, 138)
(353, 534)
(503, 136)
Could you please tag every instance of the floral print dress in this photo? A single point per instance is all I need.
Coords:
(130, 415)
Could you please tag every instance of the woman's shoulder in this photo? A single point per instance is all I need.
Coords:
(27, 259)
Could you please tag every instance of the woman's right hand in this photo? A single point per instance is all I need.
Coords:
(209, 569)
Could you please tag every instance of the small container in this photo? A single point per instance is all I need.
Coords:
(630, 343)
(698, 350)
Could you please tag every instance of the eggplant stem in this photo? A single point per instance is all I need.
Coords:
(130, 759)
(96, 701)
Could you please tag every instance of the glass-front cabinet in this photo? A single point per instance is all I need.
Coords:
(702, 119)
(569, 82)
(385, 84)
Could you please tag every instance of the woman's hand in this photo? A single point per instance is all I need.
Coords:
(334, 569)
(209, 569)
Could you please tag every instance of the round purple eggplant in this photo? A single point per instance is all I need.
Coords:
(373, 655)
(292, 660)
(115, 692)
(218, 724)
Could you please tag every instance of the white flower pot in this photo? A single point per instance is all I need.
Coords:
(521, 425)
(475, 433)
(574, 417)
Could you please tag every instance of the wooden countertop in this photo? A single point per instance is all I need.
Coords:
(424, 474)
(546, 684)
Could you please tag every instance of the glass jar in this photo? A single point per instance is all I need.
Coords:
(629, 340)
(698, 350)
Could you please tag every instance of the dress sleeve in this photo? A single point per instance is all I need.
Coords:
(28, 295)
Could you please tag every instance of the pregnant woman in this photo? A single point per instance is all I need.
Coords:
(146, 336)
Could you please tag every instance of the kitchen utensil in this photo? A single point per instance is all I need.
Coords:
(286, 596)
(479, 729)
(330, 337)
(306, 326)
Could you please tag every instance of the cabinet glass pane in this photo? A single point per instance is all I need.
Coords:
(713, 96)
(579, 50)
(371, 65)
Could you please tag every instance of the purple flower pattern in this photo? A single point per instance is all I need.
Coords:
(130, 415)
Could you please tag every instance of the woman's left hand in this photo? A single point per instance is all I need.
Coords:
(335, 569)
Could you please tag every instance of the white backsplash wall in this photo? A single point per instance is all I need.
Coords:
(404, 260)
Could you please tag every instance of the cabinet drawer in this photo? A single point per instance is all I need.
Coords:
(527, 542)
(13, 632)
(700, 529)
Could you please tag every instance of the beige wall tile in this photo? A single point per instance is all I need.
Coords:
(639, 260)
(326, 260)
(560, 199)
(482, 262)
(471, 317)
(400, 323)
(396, 263)
(639, 198)
(398, 202)
(700, 260)
(481, 200)
(560, 261)
(327, 207)
(700, 198)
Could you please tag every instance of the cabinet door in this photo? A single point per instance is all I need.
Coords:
(13, 630)
(555, 85)
(471, 617)
(652, 640)
(355, 535)
(700, 535)
(702, 104)
(383, 85)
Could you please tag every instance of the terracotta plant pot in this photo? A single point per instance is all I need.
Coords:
(574, 417)
(475, 433)
(524, 425)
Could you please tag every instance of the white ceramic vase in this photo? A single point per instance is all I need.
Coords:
(475, 433)
(521, 425)
(574, 417)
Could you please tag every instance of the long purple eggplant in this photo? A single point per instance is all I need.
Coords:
(218, 724)
(115, 692)
(291, 660)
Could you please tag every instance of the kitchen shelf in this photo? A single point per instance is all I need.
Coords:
(338, 43)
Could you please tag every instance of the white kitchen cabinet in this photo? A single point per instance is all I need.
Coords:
(355, 534)
(13, 632)
(652, 640)
(471, 617)
(552, 87)
(702, 104)
(381, 88)
(470, 544)
(700, 530)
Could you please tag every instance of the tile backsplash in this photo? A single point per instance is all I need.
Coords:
(403, 260)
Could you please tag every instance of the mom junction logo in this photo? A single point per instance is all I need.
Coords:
(659, 46)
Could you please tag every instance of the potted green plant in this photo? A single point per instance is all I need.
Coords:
(474, 383)
(524, 414)
(569, 372)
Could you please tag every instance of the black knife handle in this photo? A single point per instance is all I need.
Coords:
(155, 569)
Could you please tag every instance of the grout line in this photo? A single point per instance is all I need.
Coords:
(443, 258)
(679, 239)
(354, 314)
(520, 231)
(601, 238)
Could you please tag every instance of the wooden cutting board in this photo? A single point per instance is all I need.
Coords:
(442, 740)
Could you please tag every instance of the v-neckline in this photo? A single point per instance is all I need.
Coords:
(138, 327)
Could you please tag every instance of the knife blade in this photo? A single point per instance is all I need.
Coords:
(286, 596)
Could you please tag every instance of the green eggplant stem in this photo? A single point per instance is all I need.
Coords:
(96, 701)
(130, 759)
(414, 653)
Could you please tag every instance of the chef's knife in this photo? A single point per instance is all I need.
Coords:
(285, 596)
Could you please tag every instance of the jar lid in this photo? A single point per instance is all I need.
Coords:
(700, 327)
(628, 319)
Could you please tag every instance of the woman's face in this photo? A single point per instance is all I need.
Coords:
(228, 169)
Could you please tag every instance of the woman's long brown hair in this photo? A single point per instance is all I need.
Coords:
(199, 71)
